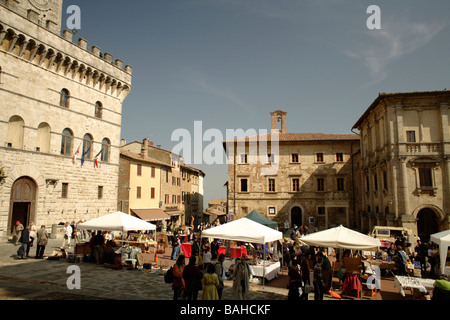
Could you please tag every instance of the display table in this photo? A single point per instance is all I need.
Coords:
(270, 270)
(143, 245)
(238, 252)
(187, 249)
(402, 283)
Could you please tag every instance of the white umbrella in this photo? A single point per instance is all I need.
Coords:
(342, 238)
(244, 230)
(443, 240)
(117, 221)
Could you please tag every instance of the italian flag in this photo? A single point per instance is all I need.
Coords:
(96, 158)
(74, 158)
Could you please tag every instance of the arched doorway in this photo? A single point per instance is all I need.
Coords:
(296, 217)
(23, 202)
(427, 224)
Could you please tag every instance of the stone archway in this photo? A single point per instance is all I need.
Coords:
(296, 216)
(23, 202)
(427, 223)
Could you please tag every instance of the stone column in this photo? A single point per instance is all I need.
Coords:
(404, 186)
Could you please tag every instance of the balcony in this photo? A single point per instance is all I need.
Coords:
(415, 148)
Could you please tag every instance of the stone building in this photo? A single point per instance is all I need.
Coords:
(314, 184)
(217, 209)
(192, 193)
(57, 97)
(405, 161)
(180, 190)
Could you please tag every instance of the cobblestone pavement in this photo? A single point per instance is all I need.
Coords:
(31, 279)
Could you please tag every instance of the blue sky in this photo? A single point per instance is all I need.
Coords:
(229, 63)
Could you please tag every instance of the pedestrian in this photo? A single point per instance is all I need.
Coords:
(220, 271)
(67, 235)
(433, 254)
(306, 290)
(326, 271)
(32, 233)
(195, 250)
(214, 249)
(391, 251)
(295, 281)
(176, 246)
(97, 244)
(192, 276)
(241, 276)
(402, 259)
(17, 232)
(206, 258)
(179, 285)
(319, 284)
(421, 254)
(25, 241)
(41, 241)
(210, 283)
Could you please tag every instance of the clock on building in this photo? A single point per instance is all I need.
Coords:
(40, 4)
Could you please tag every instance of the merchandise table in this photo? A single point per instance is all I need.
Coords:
(237, 252)
(402, 283)
(270, 270)
(143, 245)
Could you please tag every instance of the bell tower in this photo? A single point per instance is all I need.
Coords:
(45, 13)
(279, 117)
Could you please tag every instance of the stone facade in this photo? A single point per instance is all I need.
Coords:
(315, 182)
(405, 151)
(56, 96)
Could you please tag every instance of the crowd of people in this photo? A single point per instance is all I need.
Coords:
(26, 237)
(402, 252)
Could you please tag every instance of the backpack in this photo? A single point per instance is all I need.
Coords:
(168, 277)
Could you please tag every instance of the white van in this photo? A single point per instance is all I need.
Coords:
(391, 234)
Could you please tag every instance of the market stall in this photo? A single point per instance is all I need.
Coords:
(443, 240)
(344, 238)
(122, 222)
(246, 230)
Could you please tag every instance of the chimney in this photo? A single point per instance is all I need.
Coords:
(123, 142)
(144, 148)
(279, 116)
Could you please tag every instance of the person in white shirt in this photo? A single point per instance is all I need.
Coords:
(67, 235)
(206, 258)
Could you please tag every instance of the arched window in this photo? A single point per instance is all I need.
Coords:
(64, 98)
(87, 146)
(106, 146)
(98, 110)
(66, 142)
(15, 132)
(43, 138)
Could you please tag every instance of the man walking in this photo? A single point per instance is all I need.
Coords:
(42, 241)
(67, 235)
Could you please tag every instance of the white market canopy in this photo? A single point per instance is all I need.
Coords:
(341, 238)
(244, 230)
(443, 240)
(117, 221)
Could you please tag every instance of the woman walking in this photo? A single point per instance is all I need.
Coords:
(210, 283)
(178, 286)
